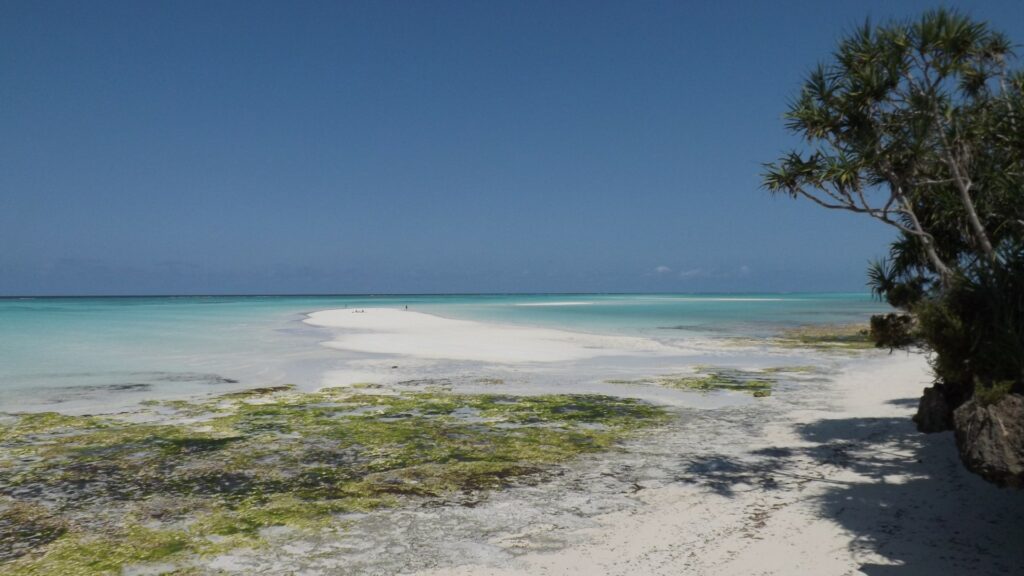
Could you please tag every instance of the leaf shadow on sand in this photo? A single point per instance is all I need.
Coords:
(902, 495)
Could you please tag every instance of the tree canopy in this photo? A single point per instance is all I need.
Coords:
(920, 125)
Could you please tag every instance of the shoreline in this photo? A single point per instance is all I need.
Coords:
(101, 355)
(829, 480)
(392, 345)
(823, 471)
(404, 346)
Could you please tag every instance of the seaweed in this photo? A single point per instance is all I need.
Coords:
(849, 337)
(708, 378)
(87, 495)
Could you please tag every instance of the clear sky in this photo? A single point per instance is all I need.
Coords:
(419, 146)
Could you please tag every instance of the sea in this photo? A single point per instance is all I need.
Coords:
(79, 351)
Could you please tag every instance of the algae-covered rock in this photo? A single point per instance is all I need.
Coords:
(827, 337)
(991, 438)
(757, 383)
(84, 495)
(24, 527)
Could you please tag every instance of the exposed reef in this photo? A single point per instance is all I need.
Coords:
(96, 495)
(757, 383)
(827, 337)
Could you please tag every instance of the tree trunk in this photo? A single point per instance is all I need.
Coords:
(964, 184)
(944, 272)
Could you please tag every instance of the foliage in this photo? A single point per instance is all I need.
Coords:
(920, 125)
(894, 330)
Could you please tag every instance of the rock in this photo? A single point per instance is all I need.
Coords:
(934, 413)
(991, 439)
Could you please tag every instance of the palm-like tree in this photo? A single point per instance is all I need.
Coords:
(920, 125)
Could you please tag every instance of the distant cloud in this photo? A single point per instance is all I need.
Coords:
(693, 273)
(662, 269)
(741, 272)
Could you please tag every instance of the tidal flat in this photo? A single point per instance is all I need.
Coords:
(757, 383)
(624, 457)
(167, 488)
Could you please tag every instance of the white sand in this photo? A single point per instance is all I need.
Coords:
(415, 334)
(824, 477)
(837, 483)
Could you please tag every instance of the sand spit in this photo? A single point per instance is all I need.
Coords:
(415, 334)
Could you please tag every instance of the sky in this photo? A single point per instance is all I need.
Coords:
(209, 147)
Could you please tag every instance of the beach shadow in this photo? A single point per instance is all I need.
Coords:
(909, 505)
(905, 402)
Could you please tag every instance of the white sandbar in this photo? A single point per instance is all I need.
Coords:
(409, 333)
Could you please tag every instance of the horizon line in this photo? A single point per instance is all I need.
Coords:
(412, 294)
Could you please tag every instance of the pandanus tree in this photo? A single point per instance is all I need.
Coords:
(920, 125)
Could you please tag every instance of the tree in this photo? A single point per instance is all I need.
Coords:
(920, 125)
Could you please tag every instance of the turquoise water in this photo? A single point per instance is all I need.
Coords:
(63, 350)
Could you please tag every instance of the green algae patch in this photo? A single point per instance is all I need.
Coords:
(829, 337)
(24, 527)
(757, 383)
(84, 555)
(44, 423)
(81, 495)
(733, 380)
(248, 517)
(794, 370)
(842, 338)
(257, 392)
(365, 386)
(182, 408)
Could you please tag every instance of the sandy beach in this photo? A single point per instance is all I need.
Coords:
(824, 475)
(363, 288)
(830, 480)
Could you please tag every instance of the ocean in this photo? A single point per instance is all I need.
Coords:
(73, 352)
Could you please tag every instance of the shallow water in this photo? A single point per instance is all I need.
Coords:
(103, 353)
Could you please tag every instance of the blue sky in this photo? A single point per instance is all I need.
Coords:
(343, 147)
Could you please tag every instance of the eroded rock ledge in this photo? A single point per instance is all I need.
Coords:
(991, 438)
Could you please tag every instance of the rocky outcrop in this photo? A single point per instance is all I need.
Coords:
(991, 438)
(934, 414)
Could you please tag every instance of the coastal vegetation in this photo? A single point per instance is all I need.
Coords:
(183, 481)
(920, 125)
